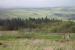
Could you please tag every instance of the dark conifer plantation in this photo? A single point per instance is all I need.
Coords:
(17, 23)
(45, 24)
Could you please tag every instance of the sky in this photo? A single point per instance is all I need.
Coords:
(35, 3)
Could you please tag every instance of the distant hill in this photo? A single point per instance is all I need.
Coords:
(57, 13)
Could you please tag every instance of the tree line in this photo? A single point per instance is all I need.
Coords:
(18, 23)
(41, 24)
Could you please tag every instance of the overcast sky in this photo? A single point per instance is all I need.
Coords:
(35, 3)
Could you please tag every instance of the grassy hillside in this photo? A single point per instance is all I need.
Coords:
(38, 32)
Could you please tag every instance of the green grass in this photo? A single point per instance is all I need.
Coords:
(34, 35)
(35, 41)
(7, 37)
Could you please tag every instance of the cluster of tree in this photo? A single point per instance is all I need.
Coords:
(11, 24)
(18, 23)
(42, 24)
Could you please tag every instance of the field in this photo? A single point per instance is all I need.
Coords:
(36, 41)
(37, 44)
